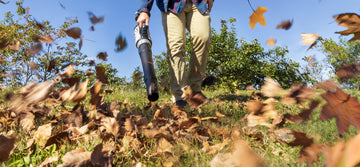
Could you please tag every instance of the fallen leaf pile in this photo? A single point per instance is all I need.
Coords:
(115, 130)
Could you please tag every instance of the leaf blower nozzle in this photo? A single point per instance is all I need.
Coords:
(143, 43)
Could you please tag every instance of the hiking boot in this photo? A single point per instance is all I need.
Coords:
(198, 99)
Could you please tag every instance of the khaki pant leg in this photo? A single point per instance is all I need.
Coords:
(174, 28)
(199, 28)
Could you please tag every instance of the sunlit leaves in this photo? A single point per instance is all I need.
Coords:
(258, 17)
(309, 38)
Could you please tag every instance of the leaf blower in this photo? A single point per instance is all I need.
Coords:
(143, 43)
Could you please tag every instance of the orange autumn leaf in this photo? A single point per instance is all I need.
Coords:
(271, 41)
(257, 17)
(344, 108)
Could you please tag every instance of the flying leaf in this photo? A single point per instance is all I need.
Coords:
(298, 94)
(310, 151)
(51, 65)
(7, 145)
(80, 44)
(43, 39)
(71, 81)
(4, 2)
(34, 49)
(74, 32)
(344, 108)
(94, 19)
(285, 25)
(301, 117)
(352, 22)
(3, 44)
(100, 75)
(348, 71)
(120, 43)
(328, 85)
(271, 41)
(95, 97)
(343, 154)
(68, 72)
(257, 17)
(309, 38)
(271, 88)
(62, 6)
(102, 56)
(76, 93)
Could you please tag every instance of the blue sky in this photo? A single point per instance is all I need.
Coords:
(310, 16)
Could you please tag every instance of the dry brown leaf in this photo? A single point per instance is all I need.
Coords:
(241, 155)
(348, 71)
(68, 72)
(74, 32)
(298, 94)
(42, 134)
(301, 117)
(95, 95)
(7, 145)
(120, 43)
(100, 75)
(77, 158)
(94, 19)
(102, 155)
(43, 39)
(76, 93)
(4, 2)
(71, 81)
(26, 121)
(34, 49)
(352, 22)
(164, 146)
(49, 161)
(102, 56)
(33, 66)
(110, 125)
(344, 108)
(328, 85)
(285, 25)
(344, 154)
(80, 44)
(271, 88)
(15, 46)
(58, 139)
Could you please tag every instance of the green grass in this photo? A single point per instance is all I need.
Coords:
(188, 153)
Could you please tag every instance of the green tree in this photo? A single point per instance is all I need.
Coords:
(338, 54)
(20, 66)
(237, 63)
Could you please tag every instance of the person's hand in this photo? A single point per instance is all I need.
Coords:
(210, 5)
(143, 18)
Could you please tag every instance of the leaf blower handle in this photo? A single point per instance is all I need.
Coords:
(143, 43)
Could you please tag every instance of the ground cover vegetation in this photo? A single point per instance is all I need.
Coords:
(53, 113)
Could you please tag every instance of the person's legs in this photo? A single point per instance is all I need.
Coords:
(199, 28)
(174, 28)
